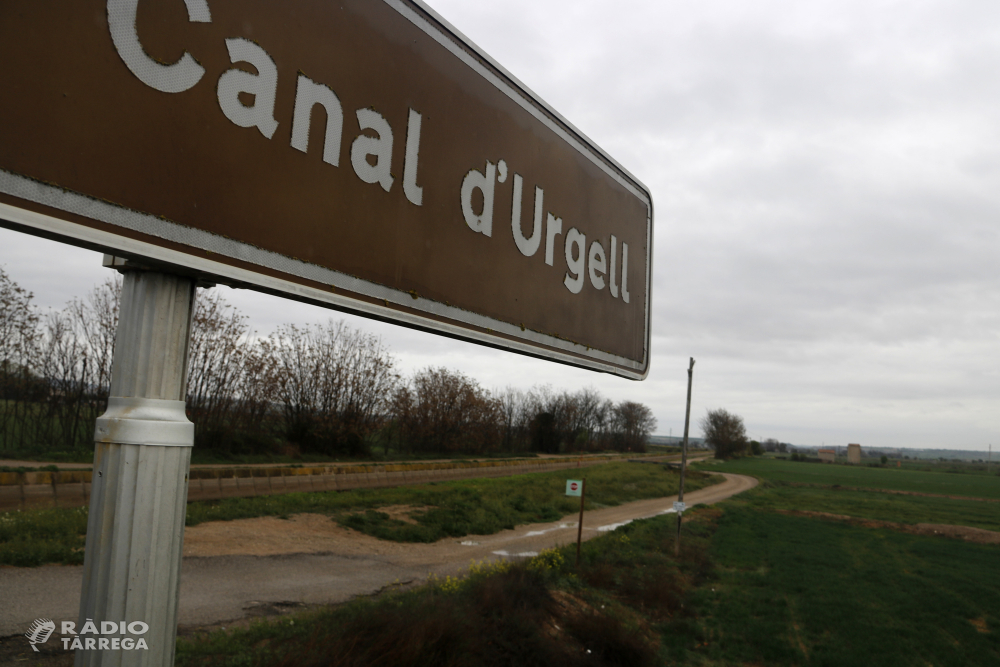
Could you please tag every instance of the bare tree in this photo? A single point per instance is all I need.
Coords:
(20, 338)
(512, 412)
(443, 410)
(635, 423)
(19, 322)
(333, 384)
(94, 321)
(63, 368)
(219, 350)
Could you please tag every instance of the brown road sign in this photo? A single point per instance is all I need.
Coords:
(362, 155)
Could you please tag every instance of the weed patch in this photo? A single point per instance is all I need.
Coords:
(445, 509)
(460, 508)
(497, 616)
(34, 537)
(754, 585)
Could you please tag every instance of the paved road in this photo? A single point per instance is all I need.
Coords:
(338, 564)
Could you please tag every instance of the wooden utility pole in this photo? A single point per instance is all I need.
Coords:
(579, 526)
(684, 459)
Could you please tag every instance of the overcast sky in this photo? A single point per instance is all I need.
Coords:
(826, 187)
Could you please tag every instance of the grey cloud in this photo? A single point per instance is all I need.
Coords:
(825, 182)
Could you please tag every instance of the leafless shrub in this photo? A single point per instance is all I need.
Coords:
(20, 336)
(440, 410)
(327, 389)
(19, 322)
(94, 321)
(227, 379)
(332, 383)
(634, 424)
(545, 421)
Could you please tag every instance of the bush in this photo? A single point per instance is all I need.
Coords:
(725, 432)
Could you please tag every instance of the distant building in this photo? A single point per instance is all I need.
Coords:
(827, 455)
(854, 454)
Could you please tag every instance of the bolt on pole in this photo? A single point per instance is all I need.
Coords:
(684, 458)
(142, 456)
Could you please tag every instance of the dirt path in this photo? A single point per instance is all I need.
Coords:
(253, 567)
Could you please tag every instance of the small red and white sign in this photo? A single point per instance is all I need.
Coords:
(574, 487)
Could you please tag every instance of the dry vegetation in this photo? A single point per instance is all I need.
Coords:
(323, 390)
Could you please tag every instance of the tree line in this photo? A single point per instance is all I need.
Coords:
(323, 389)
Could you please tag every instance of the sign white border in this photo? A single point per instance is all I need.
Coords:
(564, 351)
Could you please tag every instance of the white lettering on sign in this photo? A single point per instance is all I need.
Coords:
(581, 261)
(477, 180)
(379, 146)
(597, 264)
(413, 192)
(612, 285)
(263, 87)
(176, 78)
(371, 150)
(625, 272)
(575, 264)
(308, 94)
(527, 246)
(553, 226)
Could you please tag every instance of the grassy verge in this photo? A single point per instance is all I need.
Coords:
(609, 611)
(891, 479)
(467, 507)
(455, 509)
(752, 587)
(36, 537)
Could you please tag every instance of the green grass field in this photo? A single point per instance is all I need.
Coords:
(801, 591)
(892, 479)
(442, 509)
(753, 586)
(469, 507)
(876, 505)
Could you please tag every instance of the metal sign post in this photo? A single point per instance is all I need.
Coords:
(135, 530)
(684, 458)
(578, 487)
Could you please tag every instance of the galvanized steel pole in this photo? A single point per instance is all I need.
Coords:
(684, 457)
(141, 461)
